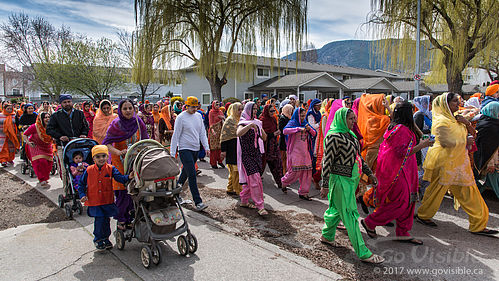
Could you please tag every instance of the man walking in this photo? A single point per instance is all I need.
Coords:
(65, 124)
(188, 133)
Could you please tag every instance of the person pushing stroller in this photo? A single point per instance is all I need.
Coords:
(96, 191)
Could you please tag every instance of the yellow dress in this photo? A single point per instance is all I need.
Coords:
(447, 167)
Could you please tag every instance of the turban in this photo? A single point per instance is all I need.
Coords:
(99, 149)
(65, 97)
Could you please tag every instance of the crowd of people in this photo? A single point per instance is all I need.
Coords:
(380, 151)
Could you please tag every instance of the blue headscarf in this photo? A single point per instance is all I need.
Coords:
(311, 111)
(294, 122)
(491, 110)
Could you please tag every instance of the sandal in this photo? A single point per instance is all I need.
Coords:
(370, 233)
(411, 240)
(426, 222)
(305, 197)
(374, 259)
(327, 242)
(247, 205)
(341, 226)
(487, 232)
(263, 212)
(284, 190)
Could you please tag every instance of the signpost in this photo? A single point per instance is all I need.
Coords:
(417, 76)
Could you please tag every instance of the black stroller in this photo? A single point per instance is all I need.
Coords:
(70, 200)
(26, 166)
(156, 200)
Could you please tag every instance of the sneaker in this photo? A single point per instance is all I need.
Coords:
(108, 244)
(221, 165)
(100, 245)
(183, 202)
(201, 206)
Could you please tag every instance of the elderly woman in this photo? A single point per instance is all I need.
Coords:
(103, 118)
(39, 148)
(228, 144)
(9, 142)
(123, 132)
(216, 120)
(447, 167)
(342, 166)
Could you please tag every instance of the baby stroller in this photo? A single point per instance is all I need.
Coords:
(26, 164)
(70, 200)
(156, 200)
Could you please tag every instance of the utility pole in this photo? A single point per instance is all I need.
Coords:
(417, 76)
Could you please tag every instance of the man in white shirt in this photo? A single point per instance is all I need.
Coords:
(188, 134)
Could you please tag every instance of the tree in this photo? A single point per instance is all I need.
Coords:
(209, 33)
(489, 62)
(93, 69)
(457, 30)
(38, 46)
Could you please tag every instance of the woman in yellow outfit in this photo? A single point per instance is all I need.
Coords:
(447, 167)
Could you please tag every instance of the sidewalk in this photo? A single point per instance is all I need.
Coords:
(64, 251)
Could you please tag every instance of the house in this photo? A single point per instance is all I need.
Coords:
(13, 83)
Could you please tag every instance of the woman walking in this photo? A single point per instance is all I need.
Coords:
(447, 168)
(146, 116)
(9, 142)
(216, 119)
(157, 117)
(28, 117)
(123, 132)
(272, 155)
(286, 113)
(341, 170)
(228, 145)
(249, 158)
(397, 191)
(103, 118)
(89, 116)
(166, 125)
(39, 148)
(299, 146)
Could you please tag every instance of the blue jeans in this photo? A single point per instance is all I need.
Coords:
(102, 228)
(188, 159)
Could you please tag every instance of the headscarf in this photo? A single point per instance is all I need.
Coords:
(147, 115)
(269, 123)
(337, 104)
(491, 110)
(227, 104)
(478, 95)
(156, 114)
(492, 89)
(229, 128)
(339, 124)
(355, 106)
(423, 105)
(287, 110)
(214, 114)
(311, 111)
(9, 129)
(102, 122)
(323, 106)
(166, 116)
(42, 129)
(246, 118)
(122, 129)
(372, 119)
(472, 102)
(283, 103)
(28, 119)
(176, 108)
(487, 139)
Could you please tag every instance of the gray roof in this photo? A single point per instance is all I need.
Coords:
(408, 86)
(366, 83)
(301, 79)
(442, 88)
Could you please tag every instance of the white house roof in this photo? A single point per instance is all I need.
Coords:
(304, 79)
(361, 84)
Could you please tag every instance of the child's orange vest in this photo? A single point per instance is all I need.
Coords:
(99, 185)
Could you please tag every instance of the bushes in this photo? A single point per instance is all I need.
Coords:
(231, 100)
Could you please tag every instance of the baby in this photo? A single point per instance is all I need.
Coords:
(77, 168)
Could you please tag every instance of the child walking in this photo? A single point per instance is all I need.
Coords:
(96, 191)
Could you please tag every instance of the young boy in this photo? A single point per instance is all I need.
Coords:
(96, 191)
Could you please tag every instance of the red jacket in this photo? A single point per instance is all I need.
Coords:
(99, 185)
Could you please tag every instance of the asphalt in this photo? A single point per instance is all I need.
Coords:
(64, 251)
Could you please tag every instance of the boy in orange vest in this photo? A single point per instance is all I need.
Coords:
(96, 191)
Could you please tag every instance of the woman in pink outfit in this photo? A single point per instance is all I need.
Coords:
(299, 145)
(397, 172)
(250, 137)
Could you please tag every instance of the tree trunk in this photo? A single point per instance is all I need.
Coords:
(216, 87)
(143, 91)
(454, 81)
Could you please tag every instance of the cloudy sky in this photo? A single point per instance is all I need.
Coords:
(329, 20)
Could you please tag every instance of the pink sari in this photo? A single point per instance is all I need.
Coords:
(397, 169)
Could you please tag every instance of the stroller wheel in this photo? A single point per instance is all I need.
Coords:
(79, 208)
(54, 169)
(23, 168)
(120, 239)
(31, 172)
(156, 254)
(146, 256)
(182, 245)
(193, 243)
(60, 201)
(69, 212)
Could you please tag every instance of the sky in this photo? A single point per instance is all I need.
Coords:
(328, 20)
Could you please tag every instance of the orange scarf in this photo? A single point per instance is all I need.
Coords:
(102, 122)
(372, 120)
(41, 130)
(156, 116)
(9, 128)
(165, 115)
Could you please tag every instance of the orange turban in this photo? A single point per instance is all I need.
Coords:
(492, 89)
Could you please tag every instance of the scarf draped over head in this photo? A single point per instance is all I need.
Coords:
(122, 128)
(215, 114)
(473, 102)
(41, 129)
(156, 114)
(147, 115)
(176, 107)
(9, 128)
(268, 122)
(488, 136)
(166, 116)
(477, 95)
(491, 110)
(287, 110)
(339, 124)
(102, 122)
(423, 104)
(336, 104)
(372, 119)
(246, 119)
(229, 128)
(311, 111)
(283, 103)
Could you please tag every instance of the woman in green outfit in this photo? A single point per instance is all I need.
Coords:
(343, 166)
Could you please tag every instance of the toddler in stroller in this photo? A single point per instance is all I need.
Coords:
(77, 167)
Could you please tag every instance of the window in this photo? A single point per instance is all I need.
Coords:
(346, 77)
(289, 71)
(16, 92)
(262, 72)
(301, 97)
(281, 96)
(248, 95)
(206, 98)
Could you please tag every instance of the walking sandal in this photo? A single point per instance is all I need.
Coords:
(374, 259)
(262, 212)
(371, 233)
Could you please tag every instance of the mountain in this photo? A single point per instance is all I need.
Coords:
(355, 53)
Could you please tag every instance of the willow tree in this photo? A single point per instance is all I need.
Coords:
(457, 30)
(221, 37)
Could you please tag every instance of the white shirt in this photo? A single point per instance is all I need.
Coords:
(188, 133)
